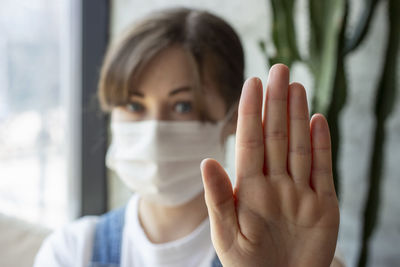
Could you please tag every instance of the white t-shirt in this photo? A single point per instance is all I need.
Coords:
(72, 245)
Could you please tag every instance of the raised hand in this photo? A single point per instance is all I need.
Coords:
(283, 210)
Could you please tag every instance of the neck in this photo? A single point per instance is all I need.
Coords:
(164, 224)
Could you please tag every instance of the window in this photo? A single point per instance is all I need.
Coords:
(39, 103)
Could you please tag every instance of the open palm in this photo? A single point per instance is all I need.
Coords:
(283, 210)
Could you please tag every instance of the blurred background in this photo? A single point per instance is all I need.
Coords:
(53, 136)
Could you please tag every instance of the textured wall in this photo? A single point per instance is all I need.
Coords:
(251, 20)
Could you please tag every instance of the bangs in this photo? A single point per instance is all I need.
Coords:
(122, 67)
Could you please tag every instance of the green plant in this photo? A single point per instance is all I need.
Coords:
(328, 48)
(384, 103)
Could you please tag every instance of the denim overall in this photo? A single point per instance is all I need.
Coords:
(108, 240)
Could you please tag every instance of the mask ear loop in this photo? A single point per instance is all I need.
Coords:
(228, 117)
(231, 112)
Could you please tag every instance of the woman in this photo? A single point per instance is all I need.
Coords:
(172, 84)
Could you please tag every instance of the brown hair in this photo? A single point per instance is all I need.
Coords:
(209, 39)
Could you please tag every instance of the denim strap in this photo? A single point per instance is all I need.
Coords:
(108, 240)
(216, 262)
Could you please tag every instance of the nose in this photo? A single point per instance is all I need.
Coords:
(159, 113)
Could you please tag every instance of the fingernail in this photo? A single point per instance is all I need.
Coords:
(202, 164)
(253, 82)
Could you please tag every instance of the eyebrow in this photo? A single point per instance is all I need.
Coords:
(136, 94)
(172, 93)
(179, 90)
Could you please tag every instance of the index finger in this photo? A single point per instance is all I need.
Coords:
(249, 134)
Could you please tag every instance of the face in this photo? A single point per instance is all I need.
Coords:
(164, 91)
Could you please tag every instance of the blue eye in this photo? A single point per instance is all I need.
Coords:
(183, 107)
(135, 107)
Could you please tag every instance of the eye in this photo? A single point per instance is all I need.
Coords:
(183, 107)
(135, 107)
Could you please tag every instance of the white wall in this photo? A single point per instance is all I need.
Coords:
(252, 21)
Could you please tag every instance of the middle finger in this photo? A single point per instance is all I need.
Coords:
(275, 121)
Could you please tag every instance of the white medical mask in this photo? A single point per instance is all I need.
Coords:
(160, 160)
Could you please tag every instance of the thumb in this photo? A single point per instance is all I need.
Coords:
(221, 205)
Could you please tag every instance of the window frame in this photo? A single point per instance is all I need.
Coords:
(95, 18)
